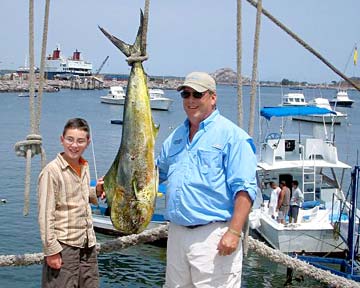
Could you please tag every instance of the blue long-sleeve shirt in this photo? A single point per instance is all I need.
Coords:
(205, 175)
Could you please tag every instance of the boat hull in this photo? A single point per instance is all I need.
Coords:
(155, 104)
(341, 103)
(293, 238)
(320, 119)
(111, 100)
(102, 224)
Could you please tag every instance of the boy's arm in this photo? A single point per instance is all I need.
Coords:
(46, 214)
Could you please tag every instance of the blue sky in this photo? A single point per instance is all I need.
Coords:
(189, 35)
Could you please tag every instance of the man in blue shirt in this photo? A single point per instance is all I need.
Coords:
(209, 164)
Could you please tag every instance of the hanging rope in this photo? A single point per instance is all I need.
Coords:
(33, 143)
(239, 60)
(253, 102)
(254, 69)
(146, 21)
(305, 45)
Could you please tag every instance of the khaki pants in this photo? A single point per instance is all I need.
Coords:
(79, 269)
(193, 259)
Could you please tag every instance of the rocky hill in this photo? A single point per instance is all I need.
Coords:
(226, 76)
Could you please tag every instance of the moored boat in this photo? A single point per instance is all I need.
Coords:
(57, 66)
(341, 99)
(330, 118)
(313, 162)
(115, 95)
(158, 101)
(293, 99)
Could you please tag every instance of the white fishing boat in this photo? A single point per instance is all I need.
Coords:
(158, 101)
(341, 99)
(293, 99)
(313, 162)
(116, 95)
(102, 223)
(330, 118)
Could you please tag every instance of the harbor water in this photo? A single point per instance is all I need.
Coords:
(143, 265)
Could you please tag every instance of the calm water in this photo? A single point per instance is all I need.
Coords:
(144, 265)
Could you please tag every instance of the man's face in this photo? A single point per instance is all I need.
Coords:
(198, 109)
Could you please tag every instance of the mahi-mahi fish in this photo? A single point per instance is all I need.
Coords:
(132, 181)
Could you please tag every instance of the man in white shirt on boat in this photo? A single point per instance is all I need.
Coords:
(296, 201)
(273, 199)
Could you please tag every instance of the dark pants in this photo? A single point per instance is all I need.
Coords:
(293, 214)
(79, 269)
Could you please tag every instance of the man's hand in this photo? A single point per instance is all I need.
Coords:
(54, 261)
(228, 243)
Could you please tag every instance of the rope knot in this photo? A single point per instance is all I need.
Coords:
(136, 58)
(32, 142)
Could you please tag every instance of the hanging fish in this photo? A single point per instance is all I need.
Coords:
(131, 183)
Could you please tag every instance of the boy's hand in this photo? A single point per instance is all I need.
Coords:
(54, 261)
(100, 188)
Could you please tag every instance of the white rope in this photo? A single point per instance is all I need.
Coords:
(33, 143)
(93, 152)
(161, 233)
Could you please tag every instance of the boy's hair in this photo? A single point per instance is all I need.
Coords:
(77, 123)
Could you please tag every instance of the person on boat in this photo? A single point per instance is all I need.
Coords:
(283, 202)
(274, 196)
(64, 213)
(210, 166)
(296, 201)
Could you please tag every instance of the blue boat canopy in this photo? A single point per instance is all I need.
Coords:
(282, 111)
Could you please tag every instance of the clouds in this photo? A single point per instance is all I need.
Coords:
(189, 35)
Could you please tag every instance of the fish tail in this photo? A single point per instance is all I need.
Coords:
(135, 50)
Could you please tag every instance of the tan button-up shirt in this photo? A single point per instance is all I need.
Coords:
(64, 209)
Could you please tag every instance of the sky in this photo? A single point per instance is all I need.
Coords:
(191, 35)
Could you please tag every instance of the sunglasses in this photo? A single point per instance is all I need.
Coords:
(195, 94)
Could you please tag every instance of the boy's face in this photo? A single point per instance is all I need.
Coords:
(75, 142)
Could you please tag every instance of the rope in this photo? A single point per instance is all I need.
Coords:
(136, 58)
(123, 242)
(161, 231)
(300, 266)
(33, 143)
(305, 45)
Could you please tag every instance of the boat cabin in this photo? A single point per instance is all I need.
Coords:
(293, 99)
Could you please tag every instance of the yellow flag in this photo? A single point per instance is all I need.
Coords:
(355, 55)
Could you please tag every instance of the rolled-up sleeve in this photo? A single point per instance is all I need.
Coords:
(46, 214)
(162, 166)
(241, 168)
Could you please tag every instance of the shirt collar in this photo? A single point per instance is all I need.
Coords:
(64, 163)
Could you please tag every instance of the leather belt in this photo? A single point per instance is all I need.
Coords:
(200, 225)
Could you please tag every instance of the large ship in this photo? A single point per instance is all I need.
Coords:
(57, 66)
